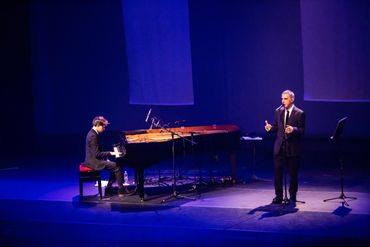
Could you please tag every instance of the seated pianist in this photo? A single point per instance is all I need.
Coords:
(96, 159)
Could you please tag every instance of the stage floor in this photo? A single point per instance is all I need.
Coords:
(40, 206)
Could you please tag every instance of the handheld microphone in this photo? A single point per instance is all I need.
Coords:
(280, 106)
(147, 116)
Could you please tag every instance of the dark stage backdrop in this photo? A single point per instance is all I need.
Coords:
(243, 55)
(82, 67)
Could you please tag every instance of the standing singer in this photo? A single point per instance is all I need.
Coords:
(289, 124)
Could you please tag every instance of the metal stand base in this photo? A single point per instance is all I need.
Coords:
(176, 195)
(343, 198)
(256, 178)
(285, 199)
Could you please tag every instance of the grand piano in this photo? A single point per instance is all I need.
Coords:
(145, 148)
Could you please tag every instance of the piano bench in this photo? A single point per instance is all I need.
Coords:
(90, 175)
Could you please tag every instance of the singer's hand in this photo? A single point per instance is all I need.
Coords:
(289, 129)
(267, 126)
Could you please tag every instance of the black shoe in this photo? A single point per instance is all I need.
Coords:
(293, 199)
(277, 200)
(109, 191)
(122, 191)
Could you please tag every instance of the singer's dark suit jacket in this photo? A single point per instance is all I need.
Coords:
(292, 140)
(94, 157)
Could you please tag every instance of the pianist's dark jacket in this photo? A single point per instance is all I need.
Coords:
(94, 157)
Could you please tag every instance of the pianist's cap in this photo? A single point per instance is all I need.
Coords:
(100, 120)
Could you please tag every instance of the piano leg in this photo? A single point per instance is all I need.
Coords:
(140, 182)
(233, 166)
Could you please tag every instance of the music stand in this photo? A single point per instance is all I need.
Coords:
(336, 138)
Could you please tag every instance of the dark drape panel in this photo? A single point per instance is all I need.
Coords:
(158, 52)
(78, 70)
(336, 50)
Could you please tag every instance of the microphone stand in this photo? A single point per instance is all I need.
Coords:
(285, 197)
(200, 178)
(175, 194)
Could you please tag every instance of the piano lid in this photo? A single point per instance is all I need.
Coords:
(163, 135)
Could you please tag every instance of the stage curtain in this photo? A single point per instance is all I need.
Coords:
(158, 52)
(336, 50)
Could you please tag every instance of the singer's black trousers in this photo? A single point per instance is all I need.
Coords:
(281, 162)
